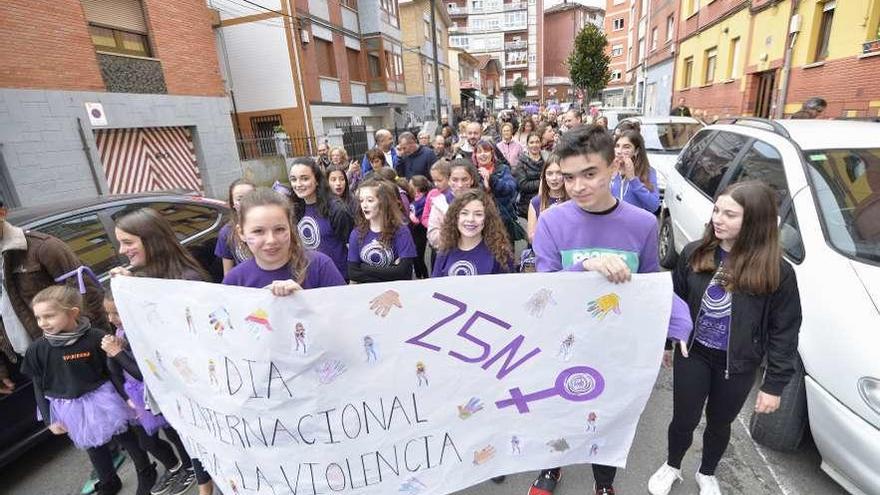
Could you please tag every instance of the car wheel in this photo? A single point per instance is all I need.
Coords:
(784, 429)
(668, 256)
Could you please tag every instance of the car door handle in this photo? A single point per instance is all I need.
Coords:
(678, 196)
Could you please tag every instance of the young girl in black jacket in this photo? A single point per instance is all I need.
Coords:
(745, 304)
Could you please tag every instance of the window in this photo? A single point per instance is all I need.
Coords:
(354, 65)
(653, 39)
(119, 41)
(325, 57)
(264, 126)
(616, 50)
(826, 18)
(670, 27)
(688, 72)
(375, 81)
(763, 163)
(711, 166)
(189, 221)
(118, 26)
(616, 75)
(617, 24)
(388, 8)
(711, 57)
(691, 151)
(427, 26)
(733, 60)
(692, 7)
(85, 235)
(352, 4)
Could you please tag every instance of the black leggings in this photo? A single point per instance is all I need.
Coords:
(157, 447)
(174, 438)
(102, 458)
(420, 238)
(696, 379)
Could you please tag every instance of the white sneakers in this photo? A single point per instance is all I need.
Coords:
(708, 484)
(661, 482)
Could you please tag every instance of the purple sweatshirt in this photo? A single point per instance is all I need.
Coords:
(322, 272)
(566, 235)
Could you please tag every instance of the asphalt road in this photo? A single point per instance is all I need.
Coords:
(56, 468)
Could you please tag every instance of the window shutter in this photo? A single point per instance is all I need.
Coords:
(127, 15)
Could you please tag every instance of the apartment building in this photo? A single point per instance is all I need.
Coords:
(562, 24)
(510, 31)
(312, 67)
(125, 97)
(617, 29)
(464, 81)
(731, 56)
(659, 58)
(418, 59)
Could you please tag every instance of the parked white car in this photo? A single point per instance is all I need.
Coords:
(827, 175)
(664, 139)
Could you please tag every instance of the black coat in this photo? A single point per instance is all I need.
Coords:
(418, 163)
(760, 325)
(528, 180)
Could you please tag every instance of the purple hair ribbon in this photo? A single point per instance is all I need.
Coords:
(79, 277)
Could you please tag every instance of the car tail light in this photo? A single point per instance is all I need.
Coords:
(869, 389)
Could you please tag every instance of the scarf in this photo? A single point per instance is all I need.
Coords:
(65, 339)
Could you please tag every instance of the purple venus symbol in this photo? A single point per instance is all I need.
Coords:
(577, 384)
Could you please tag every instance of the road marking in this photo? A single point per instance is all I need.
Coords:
(783, 487)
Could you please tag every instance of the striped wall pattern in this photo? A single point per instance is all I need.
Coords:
(148, 159)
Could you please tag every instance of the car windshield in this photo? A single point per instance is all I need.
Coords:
(847, 185)
(668, 137)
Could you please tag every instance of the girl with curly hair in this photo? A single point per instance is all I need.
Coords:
(381, 247)
(473, 239)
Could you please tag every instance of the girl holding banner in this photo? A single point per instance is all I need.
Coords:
(148, 241)
(280, 262)
(735, 269)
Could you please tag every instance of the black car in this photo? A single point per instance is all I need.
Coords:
(87, 227)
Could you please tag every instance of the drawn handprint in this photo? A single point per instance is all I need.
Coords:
(329, 371)
(483, 455)
(472, 407)
(381, 304)
(539, 301)
(412, 486)
(603, 305)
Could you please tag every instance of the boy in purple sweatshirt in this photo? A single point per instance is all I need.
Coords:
(597, 232)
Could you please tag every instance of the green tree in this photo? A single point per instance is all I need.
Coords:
(588, 64)
(519, 88)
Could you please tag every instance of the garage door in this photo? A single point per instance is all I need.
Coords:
(148, 159)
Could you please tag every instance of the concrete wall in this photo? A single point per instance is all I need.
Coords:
(45, 158)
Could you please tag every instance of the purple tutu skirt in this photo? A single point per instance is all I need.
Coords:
(150, 422)
(94, 418)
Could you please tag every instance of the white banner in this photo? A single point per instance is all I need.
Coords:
(421, 387)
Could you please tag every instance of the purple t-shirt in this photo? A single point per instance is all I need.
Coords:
(373, 253)
(316, 233)
(713, 320)
(223, 251)
(457, 263)
(536, 204)
(322, 272)
(566, 235)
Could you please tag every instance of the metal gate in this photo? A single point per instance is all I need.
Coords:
(148, 159)
(354, 140)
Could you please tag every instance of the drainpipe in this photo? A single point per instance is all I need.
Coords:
(794, 27)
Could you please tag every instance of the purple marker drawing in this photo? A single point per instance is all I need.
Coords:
(577, 384)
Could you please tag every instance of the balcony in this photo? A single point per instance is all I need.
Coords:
(516, 6)
(456, 10)
(516, 64)
(516, 45)
(515, 27)
(871, 47)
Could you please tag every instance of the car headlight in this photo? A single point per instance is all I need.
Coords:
(869, 389)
